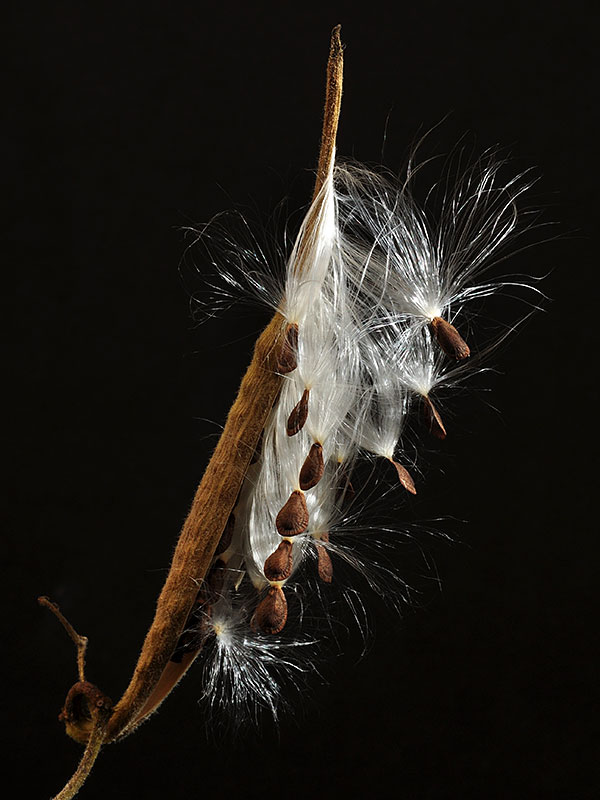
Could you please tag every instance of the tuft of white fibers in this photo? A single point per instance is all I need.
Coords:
(375, 283)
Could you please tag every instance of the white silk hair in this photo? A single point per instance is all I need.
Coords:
(370, 271)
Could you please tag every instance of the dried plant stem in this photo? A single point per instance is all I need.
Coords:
(155, 675)
(80, 642)
(93, 747)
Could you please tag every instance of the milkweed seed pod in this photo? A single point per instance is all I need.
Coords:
(376, 301)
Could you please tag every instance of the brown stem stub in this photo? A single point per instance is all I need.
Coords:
(293, 517)
(271, 613)
(312, 469)
(432, 419)
(404, 477)
(449, 339)
(289, 350)
(83, 704)
(324, 565)
(299, 414)
(278, 566)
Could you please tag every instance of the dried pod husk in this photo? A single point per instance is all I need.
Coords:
(432, 419)
(293, 517)
(226, 536)
(278, 566)
(449, 339)
(299, 414)
(271, 613)
(288, 356)
(404, 477)
(215, 580)
(312, 469)
(345, 491)
(324, 565)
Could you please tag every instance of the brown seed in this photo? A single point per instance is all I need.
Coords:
(271, 613)
(404, 477)
(293, 517)
(278, 566)
(433, 419)
(312, 469)
(324, 565)
(299, 414)
(449, 339)
(226, 536)
(287, 357)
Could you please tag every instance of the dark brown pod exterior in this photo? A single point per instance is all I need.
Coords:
(449, 339)
(299, 414)
(404, 477)
(278, 566)
(432, 419)
(312, 469)
(271, 613)
(226, 536)
(293, 517)
(324, 565)
(288, 356)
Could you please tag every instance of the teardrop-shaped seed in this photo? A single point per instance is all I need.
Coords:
(432, 419)
(324, 565)
(278, 566)
(271, 613)
(287, 357)
(293, 517)
(312, 469)
(449, 339)
(299, 414)
(404, 477)
(226, 536)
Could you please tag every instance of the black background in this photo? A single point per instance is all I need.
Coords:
(132, 122)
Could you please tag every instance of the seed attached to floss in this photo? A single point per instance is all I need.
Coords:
(312, 469)
(278, 566)
(449, 339)
(271, 613)
(324, 565)
(293, 517)
(432, 419)
(287, 357)
(299, 414)
(404, 477)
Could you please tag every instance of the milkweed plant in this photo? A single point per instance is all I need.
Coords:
(373, 315)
